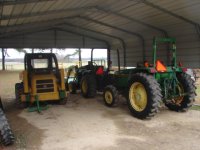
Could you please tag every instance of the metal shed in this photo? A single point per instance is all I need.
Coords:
(128, 25)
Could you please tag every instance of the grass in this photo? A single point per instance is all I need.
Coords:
(195, 107)
(198, 94)
(198, 90)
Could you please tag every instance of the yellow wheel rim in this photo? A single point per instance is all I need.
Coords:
(108, 97)
(84, 86)
(179, 99)
(138, 96)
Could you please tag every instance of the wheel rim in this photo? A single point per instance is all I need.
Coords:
(180, 90)
(138, 96)
(84, 86)
(108, 97)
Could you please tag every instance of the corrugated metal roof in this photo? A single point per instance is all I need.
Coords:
(133, 22)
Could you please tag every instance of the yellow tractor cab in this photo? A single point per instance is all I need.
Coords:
(42, 80)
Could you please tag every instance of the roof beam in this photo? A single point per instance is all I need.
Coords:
(42, 30)
(91, 37)
(164, 32)
(7, 17)
(19, 33)
(105, 34)
(15, 2)
(37, 23)
(61, 21)
(139, 36)
(1, 13)
(195, 24)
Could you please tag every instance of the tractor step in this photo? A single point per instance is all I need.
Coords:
(37, 106)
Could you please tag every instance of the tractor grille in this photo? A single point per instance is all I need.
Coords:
(44, 86)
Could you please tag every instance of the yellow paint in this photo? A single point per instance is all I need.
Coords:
(62, 86)
(42, 97)
(108, 97)
(33, 89)
(138, 96)
(25, 81)
(46, 96)
(34, 78)
(84, 86)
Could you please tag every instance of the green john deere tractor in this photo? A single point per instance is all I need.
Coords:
(145, 87)
(89, 78)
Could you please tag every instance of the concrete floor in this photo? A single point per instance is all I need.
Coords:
(88, 124)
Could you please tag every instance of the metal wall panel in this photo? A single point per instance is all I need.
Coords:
(47, 39)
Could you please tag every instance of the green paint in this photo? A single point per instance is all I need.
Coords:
(28, 98)
(62, 94)
(36, 106)
(167, 80)
(195, 107)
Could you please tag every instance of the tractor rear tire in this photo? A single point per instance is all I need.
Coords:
(187, 101)
(6, 134)
(88, 86)
(19, 88)
(110, 95)
(72, 87)
(144, 96)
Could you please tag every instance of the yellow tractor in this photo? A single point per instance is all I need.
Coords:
(42, 80)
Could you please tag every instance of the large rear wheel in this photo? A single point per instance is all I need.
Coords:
(88, 86)
(144, 96)
(186, 90)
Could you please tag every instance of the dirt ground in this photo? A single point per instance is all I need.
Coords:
(89, 125)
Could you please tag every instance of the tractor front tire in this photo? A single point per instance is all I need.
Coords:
(185, 102)
(144, 96)
(19, 89)
(110, 95)
(72, 87)
(88, 86)
(6, 134)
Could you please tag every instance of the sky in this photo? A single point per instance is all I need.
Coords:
(85, 53)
